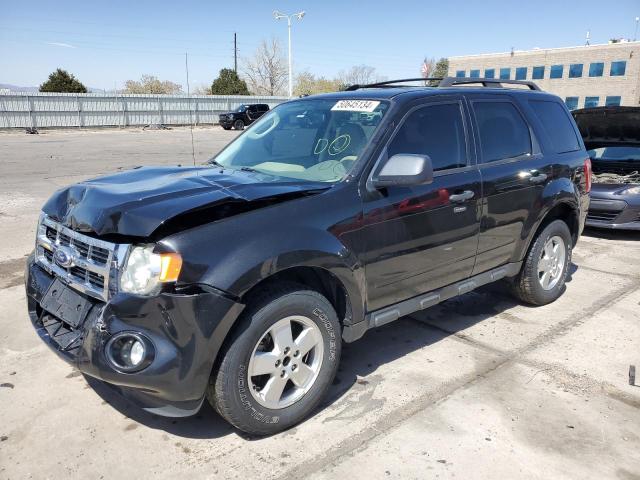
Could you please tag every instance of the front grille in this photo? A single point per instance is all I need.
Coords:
(94, 262)
(602, 215)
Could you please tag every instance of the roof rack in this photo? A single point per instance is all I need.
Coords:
(447, 82)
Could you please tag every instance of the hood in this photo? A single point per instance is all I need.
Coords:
(139, 202)
(609, 126)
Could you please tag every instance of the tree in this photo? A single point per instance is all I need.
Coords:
(308, 84)
(359, 75)
(62, 81)
(229, 83)
(266, 71)
(431, 68)
(151, 84)
(442, 68)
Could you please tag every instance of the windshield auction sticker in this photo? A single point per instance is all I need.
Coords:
(355, 106)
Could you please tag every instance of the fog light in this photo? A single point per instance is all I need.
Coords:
(129, 351)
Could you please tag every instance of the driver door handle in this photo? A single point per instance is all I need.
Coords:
(461, 197)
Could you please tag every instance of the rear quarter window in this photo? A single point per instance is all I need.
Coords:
(557, 124)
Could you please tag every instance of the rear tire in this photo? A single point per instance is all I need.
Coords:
(542, 277)
(238, 125)
(266, 383)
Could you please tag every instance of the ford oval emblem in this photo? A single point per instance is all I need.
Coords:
(64, 257)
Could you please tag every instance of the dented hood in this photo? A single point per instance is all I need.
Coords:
(609, 126)
(138, 202)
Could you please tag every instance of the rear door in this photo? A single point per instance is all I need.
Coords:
(424, 237)
(514, 173)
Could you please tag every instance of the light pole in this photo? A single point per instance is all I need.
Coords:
(635, 35)
(278, 15)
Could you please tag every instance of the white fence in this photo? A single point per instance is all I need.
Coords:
(42, 110)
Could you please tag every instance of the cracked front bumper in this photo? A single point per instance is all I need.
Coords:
(187, 331)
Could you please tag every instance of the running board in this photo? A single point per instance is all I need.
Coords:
(394, 312)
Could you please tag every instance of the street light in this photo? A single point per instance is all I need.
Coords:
(279, 15)
(635, 35)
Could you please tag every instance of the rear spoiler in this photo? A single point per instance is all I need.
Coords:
(609, 126)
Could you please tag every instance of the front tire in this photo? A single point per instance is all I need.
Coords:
(238, 125)
(279, 362)
(544, 272)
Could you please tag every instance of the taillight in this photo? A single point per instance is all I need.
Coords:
(587, 174)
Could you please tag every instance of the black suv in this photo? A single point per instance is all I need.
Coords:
(237, 281)
(243, 116)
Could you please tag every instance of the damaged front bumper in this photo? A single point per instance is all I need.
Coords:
(186, 331)
(613, 214)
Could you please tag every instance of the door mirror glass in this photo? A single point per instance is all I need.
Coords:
(404, 169)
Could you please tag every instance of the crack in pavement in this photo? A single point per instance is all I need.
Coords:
(396, 417)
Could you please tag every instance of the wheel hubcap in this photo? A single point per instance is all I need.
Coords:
(285, 362)
(551, 262)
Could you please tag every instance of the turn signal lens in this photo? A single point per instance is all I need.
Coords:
(587, 174)
(170, 266)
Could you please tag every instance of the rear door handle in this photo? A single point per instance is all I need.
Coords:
(539, 178)
(461, 197)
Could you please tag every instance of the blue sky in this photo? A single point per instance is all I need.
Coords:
(106, 43)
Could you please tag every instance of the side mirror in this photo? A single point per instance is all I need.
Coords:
(404, 169)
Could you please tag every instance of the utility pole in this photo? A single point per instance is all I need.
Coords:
(235, 53)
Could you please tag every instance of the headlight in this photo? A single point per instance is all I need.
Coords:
(145, 271)
(630, 191)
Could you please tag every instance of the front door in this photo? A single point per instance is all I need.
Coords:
(424, 237)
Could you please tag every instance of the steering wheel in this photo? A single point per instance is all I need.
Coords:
(256, 133)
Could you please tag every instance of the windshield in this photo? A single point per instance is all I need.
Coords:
(241, 108)
(315, 140)
(615, 153)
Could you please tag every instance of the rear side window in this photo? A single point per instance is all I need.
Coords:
(557, 125)
(435, 130)
(503, 131)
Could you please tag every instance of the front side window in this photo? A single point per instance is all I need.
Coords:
(460, 74)
(521, 73)
(618, 68)
(613, 101)
(556, 123)
(503, 132)
(474, 73)
(571, 102)
(596, 69)
(556, 71)
(314, 140)
(575, 70)
(537, 73)
(490, 73)
(590, 102)
(435, 130)
(505, 73)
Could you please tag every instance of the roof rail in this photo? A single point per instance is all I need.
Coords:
(447, 82)
(486, 82)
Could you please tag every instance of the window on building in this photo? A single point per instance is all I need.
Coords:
(537, 73)
(575, 70)
(505, 73)
(490, 73)
(461, 73)
(613, 101)
(437, 131)
(572, 102)
(590, 102)
(474, 73)
(556, 71)
(596, 69)
(503, 131)
(521, 73)
(557, 124)
(618, 68)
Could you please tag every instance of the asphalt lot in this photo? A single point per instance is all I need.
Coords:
(478, 387)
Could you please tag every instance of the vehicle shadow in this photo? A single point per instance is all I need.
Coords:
(607, 234)
(359, 362)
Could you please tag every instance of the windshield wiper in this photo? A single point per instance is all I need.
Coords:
(248, 169)
(217, 164)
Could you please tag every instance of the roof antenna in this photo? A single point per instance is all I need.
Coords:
(587, 42)
(186, 67)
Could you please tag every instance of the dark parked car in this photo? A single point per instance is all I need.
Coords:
(612, 136)
(243, 116)
(238, 281)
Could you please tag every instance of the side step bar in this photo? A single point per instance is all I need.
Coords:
(389, 314)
